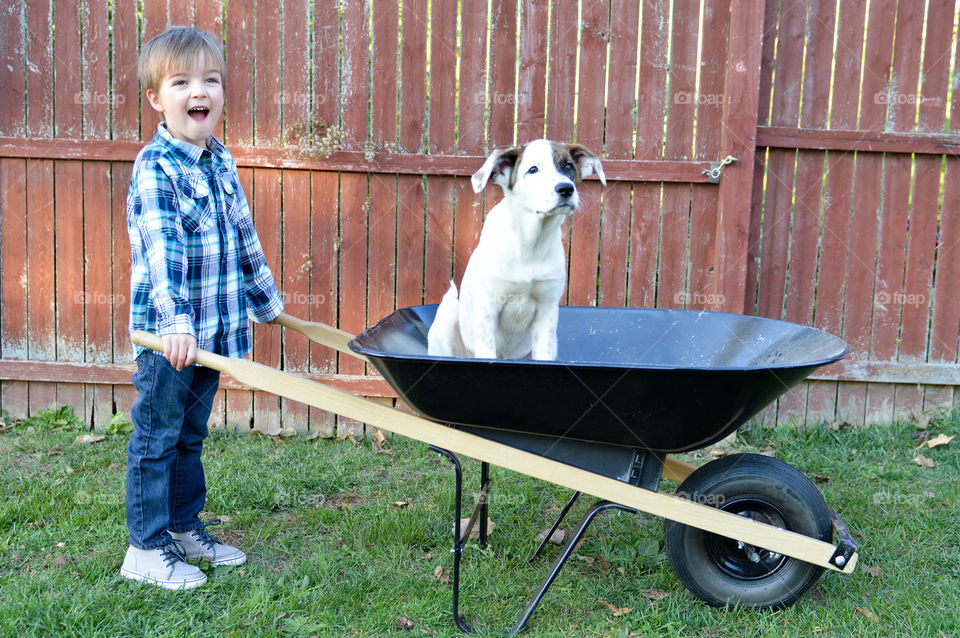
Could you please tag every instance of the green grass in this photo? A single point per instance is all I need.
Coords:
(331, 555)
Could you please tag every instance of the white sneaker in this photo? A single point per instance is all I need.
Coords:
(198, 544)
(163, 566)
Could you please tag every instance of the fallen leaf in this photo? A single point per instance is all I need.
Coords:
(936, 441)
(766, 450)
(475, 530)
(654, 594)
(836, 426)
(441, 574)
(558, 537)
(617, 611)
(720, 453)
(349, 436)
(403, 622)
(89, 438)
(55, 450)
(874, 571)
(866, 613)
(287, 432)
(380, 443)
(587, 559)
(920, 420)
(401, 504)
(923, 461)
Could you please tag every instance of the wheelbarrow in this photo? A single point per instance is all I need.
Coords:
(628, 388)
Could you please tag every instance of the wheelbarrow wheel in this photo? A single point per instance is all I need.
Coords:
(722, 571)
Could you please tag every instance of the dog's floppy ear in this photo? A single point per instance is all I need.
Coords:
(587, 161)
(498, 167)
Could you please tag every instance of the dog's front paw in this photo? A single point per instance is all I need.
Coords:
(546, 354)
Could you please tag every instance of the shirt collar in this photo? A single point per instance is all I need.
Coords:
(188, 153)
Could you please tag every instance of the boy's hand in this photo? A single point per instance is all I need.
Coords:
(180, 350)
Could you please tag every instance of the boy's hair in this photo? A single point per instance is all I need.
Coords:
(174, 50)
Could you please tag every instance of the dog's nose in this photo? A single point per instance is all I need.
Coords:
(564, 189)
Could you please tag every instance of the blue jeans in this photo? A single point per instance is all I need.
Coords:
(165, 484)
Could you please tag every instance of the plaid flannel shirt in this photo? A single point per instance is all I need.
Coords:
(197, 264)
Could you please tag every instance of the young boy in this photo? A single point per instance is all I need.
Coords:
(197, 272)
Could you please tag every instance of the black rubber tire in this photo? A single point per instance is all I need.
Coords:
(716, 569)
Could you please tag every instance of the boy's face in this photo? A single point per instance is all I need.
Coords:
(191, 102)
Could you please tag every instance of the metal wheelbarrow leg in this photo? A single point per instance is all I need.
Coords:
(461, 535)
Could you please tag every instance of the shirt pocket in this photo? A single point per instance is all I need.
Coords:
(196, 212)
(232, 199)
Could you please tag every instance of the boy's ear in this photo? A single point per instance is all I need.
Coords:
(152, 98)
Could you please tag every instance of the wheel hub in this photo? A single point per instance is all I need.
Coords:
(741, 560)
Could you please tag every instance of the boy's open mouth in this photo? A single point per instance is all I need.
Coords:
(198, 113)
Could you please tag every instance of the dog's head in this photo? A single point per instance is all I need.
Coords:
(540, 176)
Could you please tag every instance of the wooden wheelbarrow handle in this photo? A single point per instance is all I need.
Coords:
(320, 333)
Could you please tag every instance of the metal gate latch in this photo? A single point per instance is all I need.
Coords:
(713, 173)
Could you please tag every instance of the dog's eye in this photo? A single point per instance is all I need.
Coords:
(568, 167)
(532, 170)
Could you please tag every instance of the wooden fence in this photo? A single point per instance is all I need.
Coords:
(838, 213)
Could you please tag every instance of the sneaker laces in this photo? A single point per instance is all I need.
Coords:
(172, 552)
(202, 536)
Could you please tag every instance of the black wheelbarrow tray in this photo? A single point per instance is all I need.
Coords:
(629, 387)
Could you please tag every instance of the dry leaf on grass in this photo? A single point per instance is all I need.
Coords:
(402, 622)
(654, 594)
(558, 537)
(594, 560)
(349, 437)
(441, 574)
(718, 453)
(475, 530)
(920, 420)
(617, 611)
(923, 461)
(873, 571)
(401, 504)
(836, 426)
(380, 443)
(941, 439)
(89, 438)
(866, 613)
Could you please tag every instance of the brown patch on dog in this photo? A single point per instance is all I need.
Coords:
(511, 156)
(563, 159)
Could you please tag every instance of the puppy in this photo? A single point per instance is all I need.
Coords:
(509, 297)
